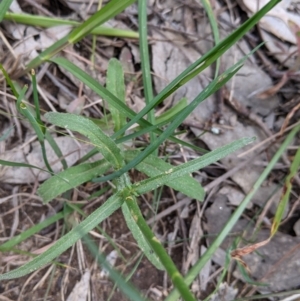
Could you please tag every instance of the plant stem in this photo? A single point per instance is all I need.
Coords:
(155, 244)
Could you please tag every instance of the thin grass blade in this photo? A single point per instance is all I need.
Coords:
(145, 59)
(7, 246)
(42, 21)
(287, 188)
(159, 250)
(39, 128)
(214, 26)
(20, 164)
(56, 149)
(108, 11)
(123, 284)
(9, 81)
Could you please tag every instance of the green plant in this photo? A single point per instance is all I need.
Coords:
(120, 160)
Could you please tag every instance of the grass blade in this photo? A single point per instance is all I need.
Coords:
(214, 26)
(158, 249)
(9, 81)
(38, 127)
(42, 21)
(287, 188)
(20, 164)
(123, 284)
(108, 11)
(7, 246)
(56, 149)
(145, 60)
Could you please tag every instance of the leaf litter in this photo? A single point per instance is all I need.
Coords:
(216, 122)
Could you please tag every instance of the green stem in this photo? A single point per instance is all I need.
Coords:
(159, 250)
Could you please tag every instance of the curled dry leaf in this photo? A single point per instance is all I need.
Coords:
(277, 29)
(248, 249)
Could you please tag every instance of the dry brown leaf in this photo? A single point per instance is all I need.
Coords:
(288, 118)
(276, 29)
(237, 253)
(81, 289)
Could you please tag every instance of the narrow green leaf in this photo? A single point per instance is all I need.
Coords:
(139, 237)
(56, 149)
(65, 242)
(107, 12)
(214, 26)
(123, 284)
(153, 166)
(115, 84)
(36, 98)
(159, 250)
(48, 53)
(89, 129)
(72, 177)
(145, 60)
(4, 6)
(20, 164)
(9, 81)
(189, 167)
(7, 246)
(169, 114)
(287, 188)
(43, 21)
(38, 127)
(156, 128)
